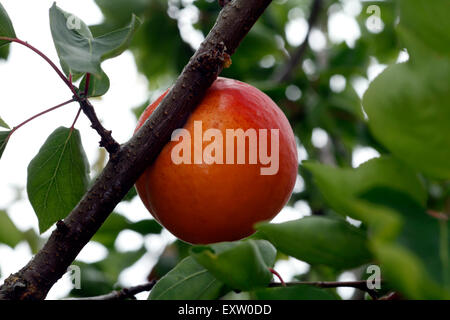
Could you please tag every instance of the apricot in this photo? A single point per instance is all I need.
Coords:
(205, 201)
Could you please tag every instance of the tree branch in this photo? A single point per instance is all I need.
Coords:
(126, 293)
(123, 169)
(361, 285)
(286, 71)
(107, 141)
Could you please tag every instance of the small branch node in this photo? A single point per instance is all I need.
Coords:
(107, 141)
(61, 226)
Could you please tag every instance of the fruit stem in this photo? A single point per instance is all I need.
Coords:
(278, 276)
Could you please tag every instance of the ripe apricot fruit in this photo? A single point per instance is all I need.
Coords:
(205, 201)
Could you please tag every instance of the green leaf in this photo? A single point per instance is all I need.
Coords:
(57, 177)
(425, 23)
(320, 240)
(3, 141)
(187, 281)
(93, 281)
(101, 277)
(145, 227)
(414, 284)
(155, 56)
(420, 246)
(341, 187)
(116, 223)
(114, 43)
(116, 262)
(242, 265)
(73, 42)
(408, 108)
(383, 45)
(299, 292)
(9, 234)
(4, 52)
(98, 84)
(169, 258)
(78, 50)
(118, 11)
(6, 27)
(390, 200)
(3, 124)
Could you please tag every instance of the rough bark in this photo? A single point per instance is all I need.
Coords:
(126, 165)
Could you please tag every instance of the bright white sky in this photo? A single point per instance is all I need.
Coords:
(28, 86)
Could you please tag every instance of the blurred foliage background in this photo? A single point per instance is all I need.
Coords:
(321, 97)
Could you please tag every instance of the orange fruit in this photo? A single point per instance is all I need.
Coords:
(212, 202)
